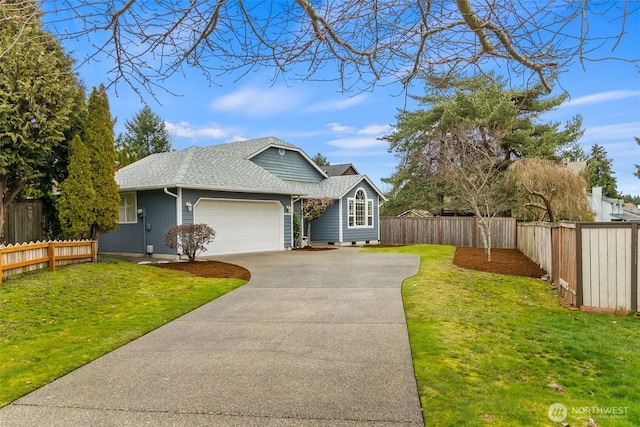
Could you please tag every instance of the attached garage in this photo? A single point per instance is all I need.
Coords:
(242, 225)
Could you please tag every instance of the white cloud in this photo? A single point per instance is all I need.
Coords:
(338, 128)
(598, 98)
(258, 102)
(375, 130)
(349, 154)
(357, 143)
(186, 130)
(339, 104)
(604, 134)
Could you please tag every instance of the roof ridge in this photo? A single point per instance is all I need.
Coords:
(189, 153)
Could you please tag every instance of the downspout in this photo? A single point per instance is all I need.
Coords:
(178, 198)
(340, 223)
(293, 204)
(178, 206)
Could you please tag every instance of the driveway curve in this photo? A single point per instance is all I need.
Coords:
(314, 338)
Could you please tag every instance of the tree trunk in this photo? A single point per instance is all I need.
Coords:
(485, 232)
(309, 233)
(2, 210)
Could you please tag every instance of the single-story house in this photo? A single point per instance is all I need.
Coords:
(247, 191)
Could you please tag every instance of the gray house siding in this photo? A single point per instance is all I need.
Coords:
(291, 165)
(158, 215)
(360, 234)
(327, 227)
(288, 230)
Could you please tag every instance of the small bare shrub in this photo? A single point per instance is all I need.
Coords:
(189, 239)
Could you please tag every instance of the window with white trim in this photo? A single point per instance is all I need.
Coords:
(360, 210)
(127, 212)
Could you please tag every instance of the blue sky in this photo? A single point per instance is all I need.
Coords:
(344, 127)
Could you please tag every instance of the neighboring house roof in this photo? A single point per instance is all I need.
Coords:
(576, 167)
(228, 167)
(339, 170)
(628, 215)
(420, 213)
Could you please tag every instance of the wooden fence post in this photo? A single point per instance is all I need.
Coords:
(94, 250)
(52, 256)
(0, 266)
(634, 266)
(578, 260)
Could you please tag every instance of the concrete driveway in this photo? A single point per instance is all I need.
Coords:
(314, 338)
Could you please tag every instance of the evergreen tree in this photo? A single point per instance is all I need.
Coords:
(77, 196)
(599, 173)
(146, 134)
(37, 94)
(100, 141)
(320, 160)
(481, 102)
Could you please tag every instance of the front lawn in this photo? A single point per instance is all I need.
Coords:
(54, 322)
(491, 349)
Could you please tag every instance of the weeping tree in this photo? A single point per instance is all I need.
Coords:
(545, 190)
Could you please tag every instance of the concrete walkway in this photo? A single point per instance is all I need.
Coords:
(314, 339)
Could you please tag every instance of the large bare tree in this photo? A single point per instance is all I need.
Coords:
(471, 165)
(365, 42)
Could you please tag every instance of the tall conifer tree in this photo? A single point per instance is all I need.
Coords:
(77, 196)
(37, 94)
(599, 172)
(100, 141)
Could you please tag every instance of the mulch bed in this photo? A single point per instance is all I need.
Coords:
(503, 261)
(217, 269)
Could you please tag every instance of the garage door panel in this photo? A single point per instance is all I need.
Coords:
(242, 226)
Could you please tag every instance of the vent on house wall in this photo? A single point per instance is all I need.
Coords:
(281, 151)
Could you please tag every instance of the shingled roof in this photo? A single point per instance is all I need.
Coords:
(225, 167)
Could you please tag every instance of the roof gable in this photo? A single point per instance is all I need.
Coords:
(288, 164)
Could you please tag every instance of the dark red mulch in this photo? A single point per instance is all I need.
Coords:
(210, 269)
(503, 261)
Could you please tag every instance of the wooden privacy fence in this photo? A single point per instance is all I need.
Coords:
(456, 231)
(24, 222)
(19, 258)
(593, 264)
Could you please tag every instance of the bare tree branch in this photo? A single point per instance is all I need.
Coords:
(355, 42)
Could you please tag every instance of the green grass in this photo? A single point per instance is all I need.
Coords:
(54, 322)
(486, 347)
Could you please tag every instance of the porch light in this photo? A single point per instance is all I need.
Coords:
(189, 206)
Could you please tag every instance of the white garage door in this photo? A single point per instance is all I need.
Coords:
(241, 226)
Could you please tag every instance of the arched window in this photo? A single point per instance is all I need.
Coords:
(360, 210)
